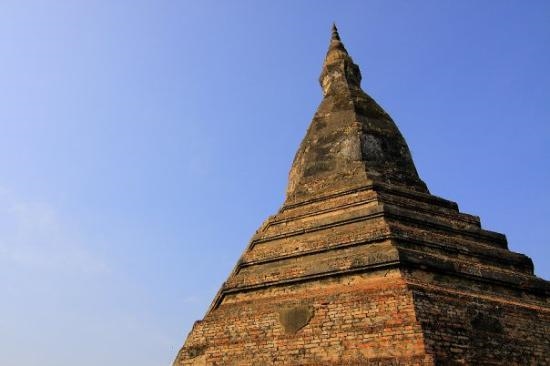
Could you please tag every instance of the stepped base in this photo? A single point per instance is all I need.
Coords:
(375, 275)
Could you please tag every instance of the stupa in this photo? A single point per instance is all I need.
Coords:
(363, 266)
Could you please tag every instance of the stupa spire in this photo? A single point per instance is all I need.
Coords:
(338, 59)
(351, 141)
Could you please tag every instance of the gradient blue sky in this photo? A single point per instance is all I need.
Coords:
(143, 142)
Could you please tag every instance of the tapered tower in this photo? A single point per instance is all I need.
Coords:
(362, 265)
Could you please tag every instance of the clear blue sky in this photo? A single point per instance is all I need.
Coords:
(143, 142)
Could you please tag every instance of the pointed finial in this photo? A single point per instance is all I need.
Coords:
(338, 58)
(335, 35)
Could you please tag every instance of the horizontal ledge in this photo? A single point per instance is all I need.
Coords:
(307, 278)
(379, 212)
(390, 211)
(378, 186)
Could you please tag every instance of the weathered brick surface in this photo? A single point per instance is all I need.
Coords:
(466, 327)
(356, 320)
(376, 291)
(363, 266)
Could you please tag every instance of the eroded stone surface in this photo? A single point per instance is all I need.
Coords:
(351, 139)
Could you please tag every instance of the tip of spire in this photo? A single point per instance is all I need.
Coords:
(335, 34)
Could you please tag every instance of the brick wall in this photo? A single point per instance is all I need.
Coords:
(360, 319)
(482, 329)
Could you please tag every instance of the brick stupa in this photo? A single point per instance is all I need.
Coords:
(363, 266)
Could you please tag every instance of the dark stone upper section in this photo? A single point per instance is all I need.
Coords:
(351, 141)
